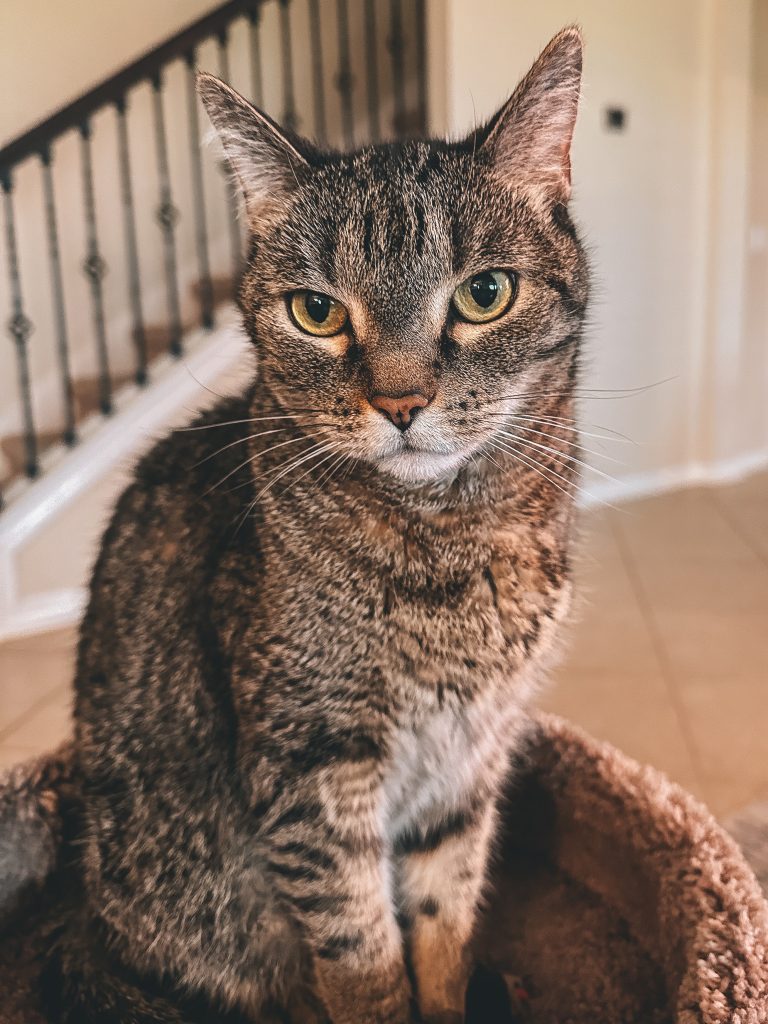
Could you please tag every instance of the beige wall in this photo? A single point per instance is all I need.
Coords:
(52, 50)
(664, 207)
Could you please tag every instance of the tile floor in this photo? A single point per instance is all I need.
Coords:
(668, 657)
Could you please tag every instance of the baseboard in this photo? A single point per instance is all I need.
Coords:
(42, 613)
(672, 478)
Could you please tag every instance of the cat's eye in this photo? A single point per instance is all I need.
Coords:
(318, 314)
(485, 296)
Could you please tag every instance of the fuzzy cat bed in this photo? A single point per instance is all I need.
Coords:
(616, 897)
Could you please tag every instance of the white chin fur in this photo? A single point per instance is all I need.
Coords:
(418, 467)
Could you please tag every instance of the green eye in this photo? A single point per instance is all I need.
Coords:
(485, 296)
(318, 314)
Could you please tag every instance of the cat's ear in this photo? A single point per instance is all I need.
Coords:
(264, 160)
(528, 141)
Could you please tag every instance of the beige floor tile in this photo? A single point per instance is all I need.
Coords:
(55, 640)
(709, 643)
(728, 719)
(10, 755)
(631, 711)
(28, 677)
(745, 506)
(46, 727)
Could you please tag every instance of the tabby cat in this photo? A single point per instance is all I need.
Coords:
(319, 614)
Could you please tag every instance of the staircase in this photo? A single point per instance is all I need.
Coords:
(123, 245)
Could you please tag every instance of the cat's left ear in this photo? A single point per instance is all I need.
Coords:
(528, 141)
(266, 162)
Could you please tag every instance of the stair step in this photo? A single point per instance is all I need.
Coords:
(14, 449)
(86, 392)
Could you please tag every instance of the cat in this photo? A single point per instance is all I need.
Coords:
(319, 614)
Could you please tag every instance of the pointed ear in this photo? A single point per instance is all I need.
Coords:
(264, 160)
(529, 140)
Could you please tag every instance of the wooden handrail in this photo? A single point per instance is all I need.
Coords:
(112, 90)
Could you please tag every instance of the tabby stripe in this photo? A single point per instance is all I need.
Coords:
(415, 841)
(308, 853)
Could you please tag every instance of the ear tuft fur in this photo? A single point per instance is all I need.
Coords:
(529, 140)
(263, 159)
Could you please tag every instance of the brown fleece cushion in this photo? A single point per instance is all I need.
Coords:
(615, 897)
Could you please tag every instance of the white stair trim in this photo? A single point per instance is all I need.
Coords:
(178, 389)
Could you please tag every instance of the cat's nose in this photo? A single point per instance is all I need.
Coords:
(400, 408)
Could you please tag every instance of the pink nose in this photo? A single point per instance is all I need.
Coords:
(400, 409)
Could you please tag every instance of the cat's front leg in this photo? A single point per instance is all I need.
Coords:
(327, 859)
(441, 867)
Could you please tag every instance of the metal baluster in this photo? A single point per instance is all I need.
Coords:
(236, 240)
(371, 60)
(198, 194)
(396, 52)
(57, 287)
(289, 118)
(131, 244)
(421, 65)
(344, 81)
(20, 327)
(95, 268)
(316, 45)
(167, 216)
(254, 17)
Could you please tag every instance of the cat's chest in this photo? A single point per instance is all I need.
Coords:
(440, 759)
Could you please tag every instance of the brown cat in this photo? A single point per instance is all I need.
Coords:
(318, 615)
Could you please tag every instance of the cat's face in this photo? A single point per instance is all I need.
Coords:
(406, 298)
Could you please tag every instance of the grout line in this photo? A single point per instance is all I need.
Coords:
(667, 672)
(6, 733)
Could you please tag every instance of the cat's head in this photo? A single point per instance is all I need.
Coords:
(406, 298)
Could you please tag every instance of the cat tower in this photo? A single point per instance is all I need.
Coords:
(616, 898)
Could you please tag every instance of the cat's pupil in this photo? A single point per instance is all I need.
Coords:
(318, 306)
(484, 289)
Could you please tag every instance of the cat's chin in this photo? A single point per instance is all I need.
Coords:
(421, 467)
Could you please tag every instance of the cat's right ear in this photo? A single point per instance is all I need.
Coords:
(264, 160)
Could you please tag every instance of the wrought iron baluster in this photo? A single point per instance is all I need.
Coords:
(316, 46)
(95, 268)
(396, 47)
(289, 118)
(254, 18)
(421, 65)
(19, 327)
(131, 244)
(198, 197)
(235, 237)
(167, 216)
(344, 81)
(372, 67)
(57, 288)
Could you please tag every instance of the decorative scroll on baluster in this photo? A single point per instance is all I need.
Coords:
(371, 61)
(167, 217)
(318, 93)
(19, 327)
(396, 50)
(257, 88)
(57, 287)
(235, 237)
(289, 117)
(344, 82)
(131, 245)
(205, 285)
(95, 268)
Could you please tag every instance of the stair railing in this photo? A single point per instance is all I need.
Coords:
(386, 96)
